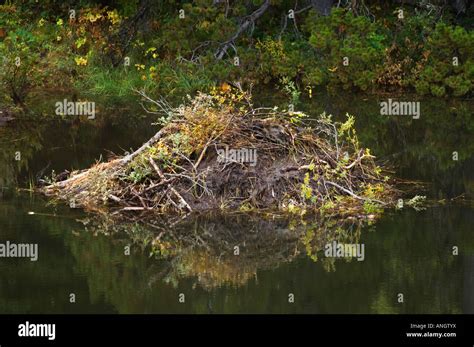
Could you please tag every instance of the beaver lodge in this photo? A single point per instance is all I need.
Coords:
(218, 152)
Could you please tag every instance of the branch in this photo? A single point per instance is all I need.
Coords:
(244, 26)
(175, 192)
(303, 9)
(164, 108)
(145, 146)
(352, 194)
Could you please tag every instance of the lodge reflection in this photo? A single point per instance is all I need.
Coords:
(404, 252)
(227, 250)
(407, 251)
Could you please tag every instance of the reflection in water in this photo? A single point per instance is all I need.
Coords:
(227, 250)
(18, 144)
(64, 145)
(406, 252)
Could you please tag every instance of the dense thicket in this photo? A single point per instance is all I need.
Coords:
(177, 47)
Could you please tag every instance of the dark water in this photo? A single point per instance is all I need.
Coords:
(406, 252)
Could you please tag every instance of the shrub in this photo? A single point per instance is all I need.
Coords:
(343, 35)
(441, 74)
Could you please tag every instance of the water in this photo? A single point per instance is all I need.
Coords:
(406, 252)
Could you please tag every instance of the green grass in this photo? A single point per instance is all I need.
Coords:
(118, 82)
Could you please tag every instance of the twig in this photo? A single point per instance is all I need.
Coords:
(352, 194)
(146, 145)
(244, 26)
(158, 171)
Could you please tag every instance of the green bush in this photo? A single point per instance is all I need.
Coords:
(440, 73)
(174, 56)
(343, 35)
(19, 71)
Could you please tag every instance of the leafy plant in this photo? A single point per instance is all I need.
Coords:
(450, 66)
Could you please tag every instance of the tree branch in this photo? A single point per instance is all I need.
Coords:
(244, 26)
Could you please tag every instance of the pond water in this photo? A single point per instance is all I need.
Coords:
(280, 268)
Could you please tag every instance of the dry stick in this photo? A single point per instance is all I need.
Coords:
(146, 145)
(158, 171)
(212, 139)
(71, 179)
(285, 17)
(121, 162)
(154, 185)
(196, 182)
(352, 194)
(115, 198)
(244, 26)
(195, 166)
(162, 104)
(133, 208)
(359, 159)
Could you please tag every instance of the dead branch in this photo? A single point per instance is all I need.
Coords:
(243, 26)
(158, 171)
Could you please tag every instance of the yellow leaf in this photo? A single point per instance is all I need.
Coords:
(225, 87)
(80, 61)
